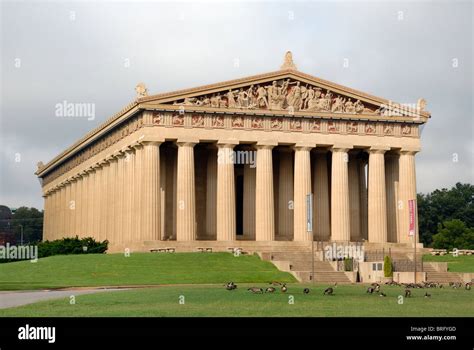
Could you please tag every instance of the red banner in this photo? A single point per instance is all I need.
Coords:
(411, 214)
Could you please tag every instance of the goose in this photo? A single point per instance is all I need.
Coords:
(427, 295)
(328, 291)
(382, 294)
(377, 288)
(269, 290)
(230, 286)
(468, 286)
(306, 291)
(256, 290)
(370, 290)
(407, 293)
(284, 288)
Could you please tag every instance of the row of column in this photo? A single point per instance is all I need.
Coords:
(121, 197)
(117, 199)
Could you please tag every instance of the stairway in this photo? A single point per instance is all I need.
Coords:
(433, 275)
(300, 265)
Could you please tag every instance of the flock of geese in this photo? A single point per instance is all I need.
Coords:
(273, 287)
(373, 289)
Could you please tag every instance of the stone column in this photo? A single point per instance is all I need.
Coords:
(249, 199)
(264, 201)
(285, 193)
(302, 187)
(51, 218)
(119, 196)
(340, 215)
(64, 210)
(129, 162)
(84, 200)
(151, 219)
(91, 203)
(104, 200)
(46, 201)
(73, 205)
(97, 201)
(137, 206)
(406, 192)
(321, 218)
(363, 199)
(354, 198)
(112, 200)
(186, 192)
(391, 185)
(78, 209)
(69, 209)
(226, 224)
(55, 216)
(211, 194)
(377, 196)
(163, 190)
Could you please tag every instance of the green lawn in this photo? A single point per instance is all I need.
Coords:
(138, 269)
(462, 263)
(200, 300)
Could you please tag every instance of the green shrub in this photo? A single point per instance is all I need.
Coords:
(74, 245)
(387, 267)
(348, 264)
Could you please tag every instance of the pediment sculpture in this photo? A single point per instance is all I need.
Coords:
(285, 94)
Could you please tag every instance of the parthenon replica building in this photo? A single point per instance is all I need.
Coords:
(235, 162)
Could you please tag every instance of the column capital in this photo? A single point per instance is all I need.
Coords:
(227, 143)
(379, 149)
(109, 158)
(305, 146)
(136, 145)
(341, 147)
(151, 139)
(127, 149)
(266, 144)
(118, 154)
(409, 150)
(189, 142)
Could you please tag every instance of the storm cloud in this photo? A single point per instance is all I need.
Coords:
(95, 53)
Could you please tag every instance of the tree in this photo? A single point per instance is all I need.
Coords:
(454, 234)
(32, 221)
(442, 205)
(387, 267)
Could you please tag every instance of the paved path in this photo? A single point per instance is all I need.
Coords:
(12, 299)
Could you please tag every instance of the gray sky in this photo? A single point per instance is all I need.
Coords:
(78, 52)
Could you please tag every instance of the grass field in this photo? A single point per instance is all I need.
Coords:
(199, 300)
(462, 263)
(138, 269)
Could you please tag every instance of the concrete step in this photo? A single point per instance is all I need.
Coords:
(443, 277)
(308, 266)
(324, 277)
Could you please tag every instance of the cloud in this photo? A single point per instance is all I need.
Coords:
(78, 52)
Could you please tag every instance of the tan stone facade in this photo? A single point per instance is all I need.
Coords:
(236, 161)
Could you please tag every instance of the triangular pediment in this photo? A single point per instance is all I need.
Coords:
(285, 90)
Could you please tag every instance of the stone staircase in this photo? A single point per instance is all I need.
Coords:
(300, 265)
(434, 275)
